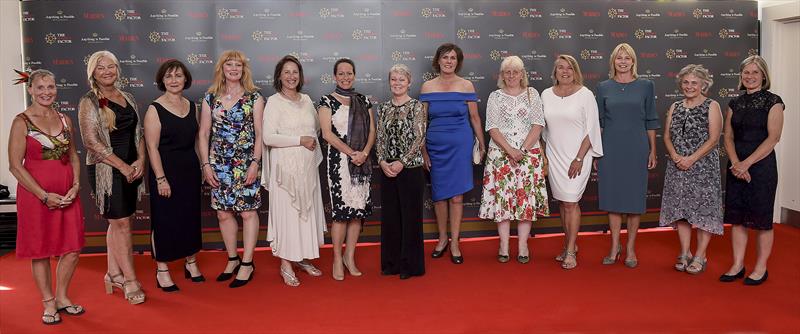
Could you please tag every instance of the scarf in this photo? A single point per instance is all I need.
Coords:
(357, 133)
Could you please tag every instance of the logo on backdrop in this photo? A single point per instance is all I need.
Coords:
(649, 74)
(133, 60)
(591, 35)
(332, 58)
(471, 13)
(562, 13)
(645, 34)
(263, 35)
(705, 53)
(127, 15)
(730, 74)
(535, 76)
(366, 13)
(529, 12)
(474, 76)
(95, 38)
(534, 55)
(364, 35)
(368, 79)
(428, 76)
(498, 55)
(501, 34)
(299, 36)
(676, 54)
(199, 59)
(403, 56)
(161, 37)
(674, 95)
(731, 14)
(199, 37)
(163, 15)
(326, 78)
(32, 64)
(559, 34)
(728, 93)
(676, 34)
(229, 13)
(702, 13)
(27, 16)
(330, 13)
(302, 56)
(402, 35)
(65, 105)
(618, 13)
(726, 33)
(433, 12)
(591, 54)
(57, 38)
(648, 14)
(266, 14)
(60, 16)
(265, 81)
(130, 82)
(468, 34)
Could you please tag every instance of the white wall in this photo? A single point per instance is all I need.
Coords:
(780, 47)
(11, 97)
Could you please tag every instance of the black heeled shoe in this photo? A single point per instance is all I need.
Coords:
(226, 276)
(188, 275)
(750, 281)
(171, 288)
(439, 253)
(730, 278)
(240, 283)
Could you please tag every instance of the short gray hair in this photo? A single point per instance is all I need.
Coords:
(700, 72)
(400, 69)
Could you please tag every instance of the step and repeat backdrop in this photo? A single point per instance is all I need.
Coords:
(60, 36)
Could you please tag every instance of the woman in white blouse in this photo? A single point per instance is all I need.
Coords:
(513, 184)
(573, 139)
(296, 219)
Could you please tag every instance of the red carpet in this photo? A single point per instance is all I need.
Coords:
(480, 296)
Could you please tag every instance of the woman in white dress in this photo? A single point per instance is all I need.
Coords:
(573, 139)
(513, 184)
(296, 219)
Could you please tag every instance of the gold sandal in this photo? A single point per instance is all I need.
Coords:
(289, 278)
(308, 268)
(683, 261)
(134, 297)
(110, 283)
(566, 264)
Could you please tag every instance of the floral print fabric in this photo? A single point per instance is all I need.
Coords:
(513, 193)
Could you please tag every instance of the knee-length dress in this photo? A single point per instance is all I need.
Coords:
(570, 119)
(349, 200)
(42, 232)
(232, 151)
(121, 202)
(627, 111)
(175, 221)
(752, 204)
(296, 220)
(694, 194)
(449, 141)
(513, 192)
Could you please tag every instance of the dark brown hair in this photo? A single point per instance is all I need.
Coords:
(276, 83)
(344, 60)
(168, 66)
(445, 48)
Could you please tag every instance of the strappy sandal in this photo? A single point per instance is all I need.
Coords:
(560, 257)
(136, 296)
(697, 266)
(188, 275)
(567, 264)
(308, 268)
(289, 278)
(110, 283)
(72, 309)
(50, 319)
(683, 261)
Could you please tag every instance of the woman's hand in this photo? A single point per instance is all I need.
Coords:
(740, 170)
(358, 158)
(685, 163)
(71, 194)
(387, 169)
(574, 168)
(252, 173)
(308, 142)
(54, 201)
(482, 148)
(163, 188)
(138, 167)
(396, 167)
(129, 172)
(514, 156)
(426, 160)
(209, 176)
(651, 160)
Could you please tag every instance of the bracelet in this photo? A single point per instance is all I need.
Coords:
(204, 165)
(44, 198)
(160, 178)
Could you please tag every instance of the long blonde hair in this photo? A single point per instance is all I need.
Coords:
(219, 77)
(576, 69)
(91, 64)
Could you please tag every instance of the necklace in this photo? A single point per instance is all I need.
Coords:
(623, 85)
(228, 97)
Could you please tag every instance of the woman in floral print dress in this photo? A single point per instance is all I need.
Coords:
(513, 185)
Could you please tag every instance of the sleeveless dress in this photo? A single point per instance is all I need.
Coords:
(232, 151)
(513, 192)
(175, 221)
(627, 111)
(348, 201)
(449, 143)
(124, 195)
(42, 232)
(695, 194)
(751, 204)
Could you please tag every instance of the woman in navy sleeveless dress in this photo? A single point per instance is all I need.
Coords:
(453, 122)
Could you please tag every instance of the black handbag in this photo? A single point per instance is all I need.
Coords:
(4, 193)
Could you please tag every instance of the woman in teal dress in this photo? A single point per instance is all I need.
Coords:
(453, 122)
(230, 123)
(627, 109)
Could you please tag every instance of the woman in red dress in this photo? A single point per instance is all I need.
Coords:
(42, 157)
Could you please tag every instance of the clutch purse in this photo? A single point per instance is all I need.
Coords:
(476, 152)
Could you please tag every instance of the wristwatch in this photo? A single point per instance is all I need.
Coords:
(578, 159)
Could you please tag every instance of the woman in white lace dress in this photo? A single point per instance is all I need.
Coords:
(291, 173)
(513, 184)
